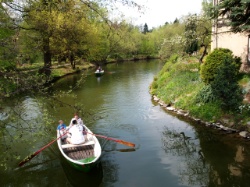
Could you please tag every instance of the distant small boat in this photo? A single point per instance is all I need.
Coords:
(84, 156)
(99, 72)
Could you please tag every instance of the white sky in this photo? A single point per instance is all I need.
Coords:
(158, 12)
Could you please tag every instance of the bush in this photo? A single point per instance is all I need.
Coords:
(213, 61)
(209, 112)
(7, 66)
(225, 85)
(173, 59)
(205, 95)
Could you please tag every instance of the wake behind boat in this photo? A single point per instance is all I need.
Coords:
(82, 156)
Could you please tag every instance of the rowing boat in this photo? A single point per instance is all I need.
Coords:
(84, 156)
(99, 72)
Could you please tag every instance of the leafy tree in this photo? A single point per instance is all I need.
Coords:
(237, 12)
(145, 29)
(8, 40)
(176, 21)
(198, 33)
(172, 40)
(191, 34)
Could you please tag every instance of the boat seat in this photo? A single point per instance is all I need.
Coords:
(78, 145)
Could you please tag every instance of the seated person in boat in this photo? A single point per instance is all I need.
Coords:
(61, 129)
(76, 132)
(99, 69)
(80, 122)
(77, 118)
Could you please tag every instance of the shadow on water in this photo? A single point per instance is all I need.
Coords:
(210, 157)
(77, 178)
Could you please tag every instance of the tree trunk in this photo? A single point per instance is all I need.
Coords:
(46, 58)
(46, 53)
(72, 60)
(203, 54)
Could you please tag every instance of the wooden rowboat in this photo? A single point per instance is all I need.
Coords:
(99, 72)
(84, 156)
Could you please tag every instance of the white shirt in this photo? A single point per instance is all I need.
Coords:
(77, 136)
(79, 121)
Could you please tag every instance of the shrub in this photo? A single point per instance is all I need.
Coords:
(213, 61)
(208, 112)
(225, 85)
(173, 59)
(7, 66)
(205, 95)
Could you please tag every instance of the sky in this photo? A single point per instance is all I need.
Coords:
(158, 12)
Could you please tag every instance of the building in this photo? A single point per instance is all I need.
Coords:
(238, 43)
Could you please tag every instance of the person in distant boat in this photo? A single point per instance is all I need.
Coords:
(62, 129)
(99, 68)
(76, 132)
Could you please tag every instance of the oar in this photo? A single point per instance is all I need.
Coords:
(113, 139)
(28, 158)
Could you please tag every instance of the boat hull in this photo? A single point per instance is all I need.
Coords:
(99, 73)
(83, 167)
(83, 157)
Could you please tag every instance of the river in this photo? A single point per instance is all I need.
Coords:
(170, 150)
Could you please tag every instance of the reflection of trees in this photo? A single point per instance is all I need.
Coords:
(226, 157)
(77, 178)
(192, 168)
(229, 163)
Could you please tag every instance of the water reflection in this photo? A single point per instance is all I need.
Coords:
(191, 168)
(214, 160)
(78, 179)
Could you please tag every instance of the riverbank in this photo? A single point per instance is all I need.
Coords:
(178, 88)
(61, 70)
(217, 125)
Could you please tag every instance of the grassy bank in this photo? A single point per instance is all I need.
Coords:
(178, 84)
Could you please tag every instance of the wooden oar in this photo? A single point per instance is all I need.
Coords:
(28, 158)
(113, 139)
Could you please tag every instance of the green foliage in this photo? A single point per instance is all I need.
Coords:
(179, 84)
(7, 66)
(191, 34)
(8, 40)
(208, 112)
(237, 14)
(174, 58)
(221, 72)
(244, 111)
(145, 29)
(7, 86)
(225, 86)
(205, 95)
(176, 82)
(209, 67)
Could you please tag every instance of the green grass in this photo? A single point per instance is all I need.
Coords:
(179, 84)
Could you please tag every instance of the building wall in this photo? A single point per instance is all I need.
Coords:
(238, 43)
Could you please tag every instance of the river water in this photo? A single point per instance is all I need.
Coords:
(170, 150)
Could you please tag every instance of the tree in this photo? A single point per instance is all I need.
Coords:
(198, 32)
(171, 40)
(8, 39)
(191, 34)
(237, 12)
(145, 29)
(176, 21)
